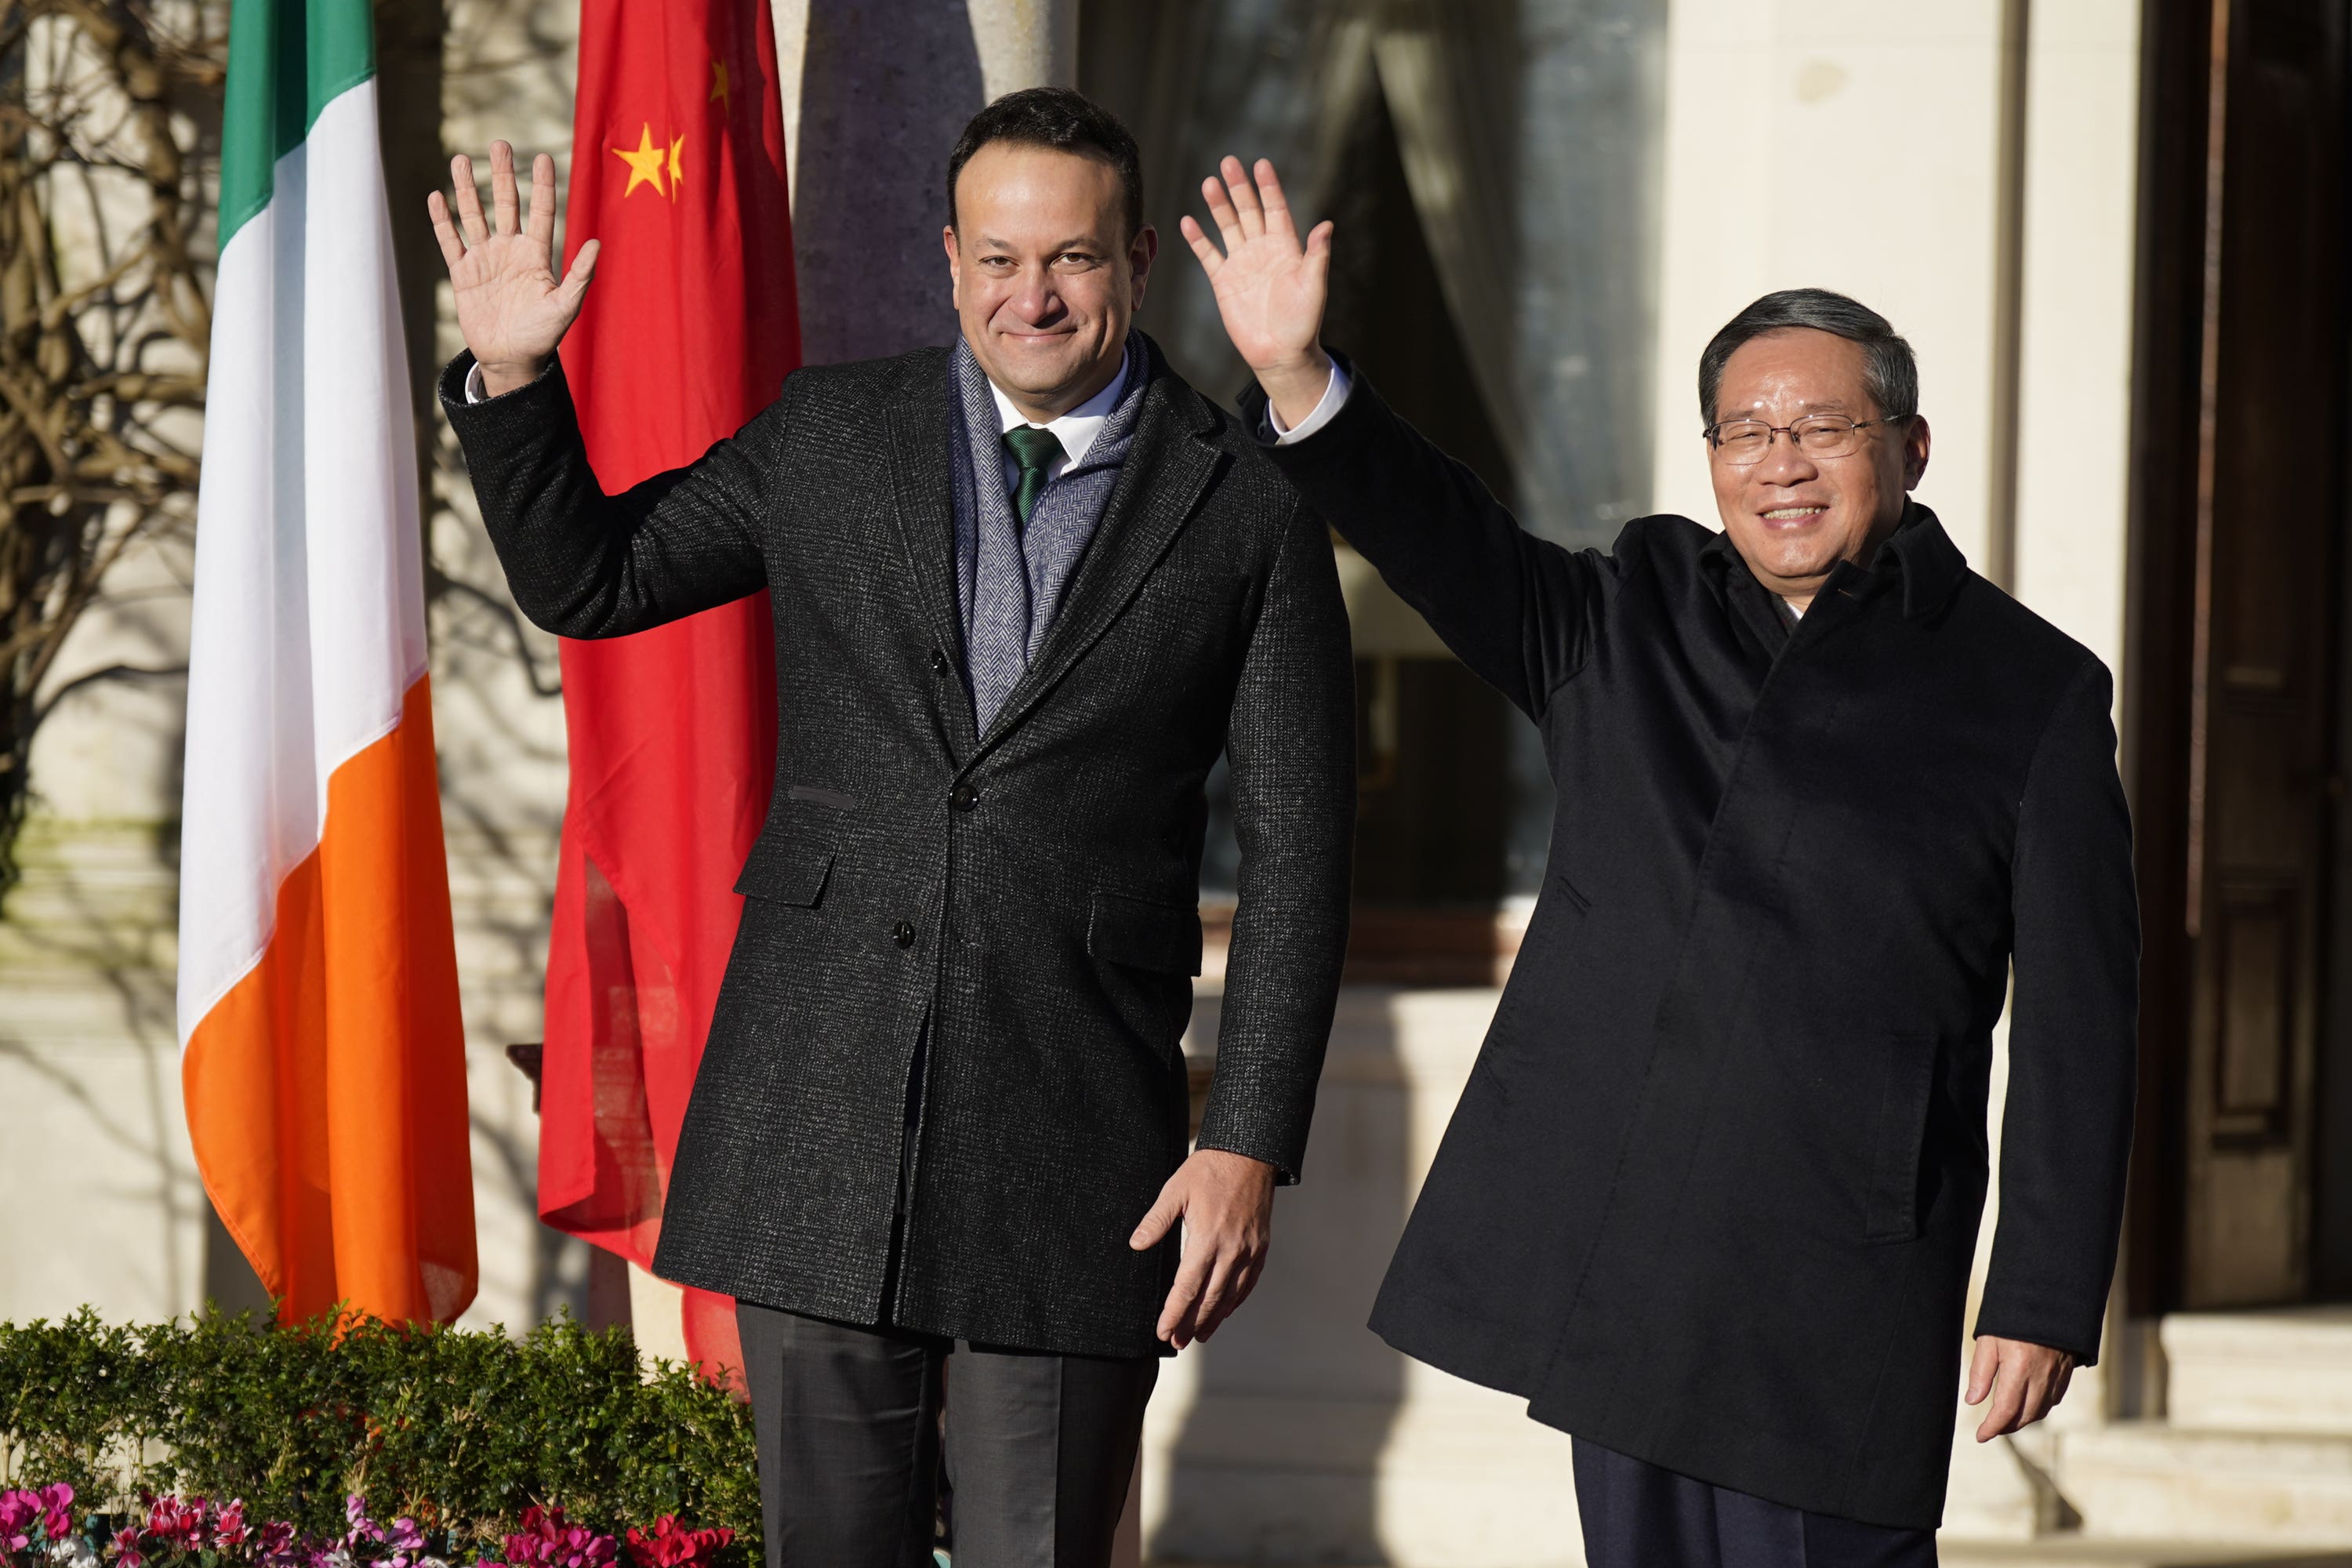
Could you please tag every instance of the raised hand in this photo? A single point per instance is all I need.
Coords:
(1270, 288)
(510, 309)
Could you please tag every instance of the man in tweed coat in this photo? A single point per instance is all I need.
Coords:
(1026, 590)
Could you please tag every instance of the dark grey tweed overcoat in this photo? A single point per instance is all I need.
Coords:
(1711, 1194)
(1031, 892)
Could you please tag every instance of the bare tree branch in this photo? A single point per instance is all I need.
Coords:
(105, 185)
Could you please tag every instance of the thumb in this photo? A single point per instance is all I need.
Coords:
(1160, 1220)
(574, 287)
(1982, 1363)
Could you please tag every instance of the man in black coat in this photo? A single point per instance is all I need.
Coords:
(1026, 590)
(1710, 1198)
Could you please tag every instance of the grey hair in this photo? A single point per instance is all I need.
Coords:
(1890, 374)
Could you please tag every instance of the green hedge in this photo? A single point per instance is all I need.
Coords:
(461, 1431)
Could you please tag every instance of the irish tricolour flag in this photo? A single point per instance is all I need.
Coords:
(321, 1053)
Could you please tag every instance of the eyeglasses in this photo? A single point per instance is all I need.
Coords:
(1740, 442)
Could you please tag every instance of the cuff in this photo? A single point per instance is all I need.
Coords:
(1335, 397)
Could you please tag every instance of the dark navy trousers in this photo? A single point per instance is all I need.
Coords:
(1638, 1515)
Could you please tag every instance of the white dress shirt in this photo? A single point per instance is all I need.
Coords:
(1076, 430)
(1335, 397)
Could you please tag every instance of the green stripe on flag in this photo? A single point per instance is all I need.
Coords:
(287, 60)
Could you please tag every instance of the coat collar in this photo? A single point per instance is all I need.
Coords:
(1919, 557)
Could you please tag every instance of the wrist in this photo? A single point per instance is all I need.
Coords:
(1296, 385)
(502, 377)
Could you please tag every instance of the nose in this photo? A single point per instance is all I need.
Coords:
(1785, 462)
(1035, 300)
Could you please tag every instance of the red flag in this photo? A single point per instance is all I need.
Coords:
(677, 165)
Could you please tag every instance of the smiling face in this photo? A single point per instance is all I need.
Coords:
(1046, 276)
(1794, 516)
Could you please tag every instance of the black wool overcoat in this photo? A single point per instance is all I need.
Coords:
(1029, 896)
(1711, 1194)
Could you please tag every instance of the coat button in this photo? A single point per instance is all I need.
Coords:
(963, 797)
(938, 662)
(903, 933)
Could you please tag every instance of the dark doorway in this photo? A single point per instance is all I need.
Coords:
(2239, 755)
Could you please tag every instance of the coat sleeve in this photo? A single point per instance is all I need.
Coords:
(586, 565)
(1291, 749)
(2073, 1037)
(1521, 611)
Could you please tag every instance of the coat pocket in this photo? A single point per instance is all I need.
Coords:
(1144, 933)
(1898, 1134)
(787, 870)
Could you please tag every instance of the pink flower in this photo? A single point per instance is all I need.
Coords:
(126, 1547)
(17, 1511)
(362, 1526)
(229, 1531)
(274, 1544)
(57, 1510)
(185, 1523)
(670, 1545)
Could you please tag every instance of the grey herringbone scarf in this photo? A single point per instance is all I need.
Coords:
(1010, 579)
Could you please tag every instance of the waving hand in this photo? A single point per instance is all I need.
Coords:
(510, 308)
(1270, 288)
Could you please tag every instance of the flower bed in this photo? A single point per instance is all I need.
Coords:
(371, 1447)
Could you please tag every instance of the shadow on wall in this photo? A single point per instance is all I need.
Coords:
(1278, 1458)
(886, 89)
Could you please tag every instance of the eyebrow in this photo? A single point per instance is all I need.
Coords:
(1085, 243)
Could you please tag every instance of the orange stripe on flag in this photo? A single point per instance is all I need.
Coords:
(326, 1092)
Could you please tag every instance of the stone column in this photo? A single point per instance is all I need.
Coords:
(876, 92)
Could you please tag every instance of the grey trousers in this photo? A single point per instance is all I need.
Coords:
(1639, 1515)
(1039, 1448)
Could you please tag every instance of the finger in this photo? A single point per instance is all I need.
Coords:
(1269, 194)
(1222, 212)
(1184, 1298)
(469, 200)
(2008, 1405)
(503, 204)
(2065, 1381)
(1243, 1281)
(574, 287)
(1319, 249)
(543, 200)
(453, 249)
(1203, 245)
(1217, 1294)
(1981, 1365)
(1244, 196)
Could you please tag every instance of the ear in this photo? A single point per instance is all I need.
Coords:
(955, 268)
(1914, 452)
(1140, 253)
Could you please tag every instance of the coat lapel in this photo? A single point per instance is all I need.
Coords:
(1166, 471)
(923, 505)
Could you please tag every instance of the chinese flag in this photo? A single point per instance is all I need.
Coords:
(677, 165)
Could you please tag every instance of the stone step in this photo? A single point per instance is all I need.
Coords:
(2151, 1480)
(2071, 1550)
(2286, 1370)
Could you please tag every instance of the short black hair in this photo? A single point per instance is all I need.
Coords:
(1064, 121)
(1890, 372)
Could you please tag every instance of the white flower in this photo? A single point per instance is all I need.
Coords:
(73, 1552)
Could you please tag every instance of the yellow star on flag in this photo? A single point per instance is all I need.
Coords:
(645, 162)
(676, 170)
(719, 84)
